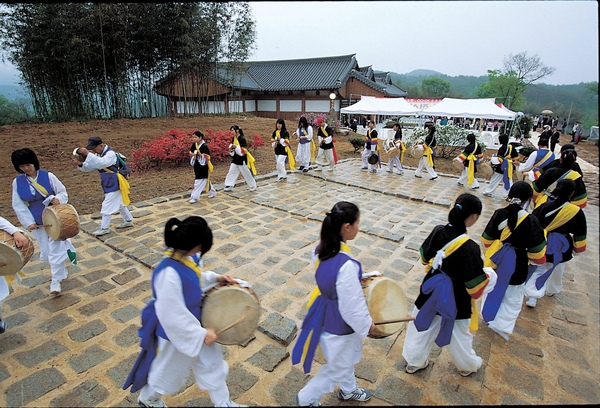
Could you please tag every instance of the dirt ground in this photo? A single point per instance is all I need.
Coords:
(54, 143)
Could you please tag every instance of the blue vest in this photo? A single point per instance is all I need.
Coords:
(36, 204)
(109, 181)
(190, 282)
(326, 276)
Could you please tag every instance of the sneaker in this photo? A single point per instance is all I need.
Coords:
(433, 178)
(531, 302)
(413, 369)
(228, 188)
(2, 326)
(55, 286)
(125, 224)
(357, 395)
(192, 201)
(212, 195)
(152, 403)
(100, 232)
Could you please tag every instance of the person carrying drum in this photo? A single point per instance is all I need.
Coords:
(173, 340)
(566, 226)
(105, 161)
(471, 156)
(397, 160)
(513, 239)
(444, 310)
(20, 242)
(370, 148)
(32, 191)
(338, 318)
(503, 166)
(200, 159)
(427, 160)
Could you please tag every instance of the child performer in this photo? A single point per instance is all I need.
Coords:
(20, 242)
(338, 318)
(567, 232)
(280, 141)
(503, 166)
(305, 135)
(242, 161)
(326, 154)
(455, 277)
(428, 154)
(200, 159)
(397, 160)
(32, 191)
(470, 157)
(173, 339)
(513, 239)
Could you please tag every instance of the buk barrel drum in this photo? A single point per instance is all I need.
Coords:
(61, 221)
(229, 303)
(386, 301)
(417, 151)
(458, 164)
(486, 169)
(13, 259)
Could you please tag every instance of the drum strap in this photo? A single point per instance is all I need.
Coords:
(171, 253)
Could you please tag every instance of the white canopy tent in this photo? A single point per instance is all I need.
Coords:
(371, 105)
(469, 108)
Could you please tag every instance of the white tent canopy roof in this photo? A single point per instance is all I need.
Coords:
(370, 105)
(469, 108)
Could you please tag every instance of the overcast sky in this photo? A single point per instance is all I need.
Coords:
(451, 37)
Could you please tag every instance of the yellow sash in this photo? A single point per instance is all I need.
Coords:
(171, 253)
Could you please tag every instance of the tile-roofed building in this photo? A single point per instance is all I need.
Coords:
(279, 89)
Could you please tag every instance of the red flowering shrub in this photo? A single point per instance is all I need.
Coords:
(172, 149)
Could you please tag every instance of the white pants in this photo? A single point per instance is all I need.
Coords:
(464, 176)
(325, 158)
(552, 286)
(418, 345)
(495, 181)
(365, 163)
(53, 252)
(280, 166)
(170, 369)
(395, 161)
(509, 310)
(112, 203)
(200, 187)
(234, 172)
(341, 354)
(303, 154)
(423, 163)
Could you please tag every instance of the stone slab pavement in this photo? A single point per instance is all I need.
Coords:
(76, 349)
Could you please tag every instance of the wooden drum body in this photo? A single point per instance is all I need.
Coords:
(61, 221)
(226, 304)
(386, 301)
(13, 259)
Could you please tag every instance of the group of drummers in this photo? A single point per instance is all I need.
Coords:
(527, 245)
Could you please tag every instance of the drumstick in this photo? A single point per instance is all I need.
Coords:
(406, 319)
(231, 325)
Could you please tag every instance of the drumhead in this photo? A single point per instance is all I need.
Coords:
(225, 304)
(12, 259)
(386, 301)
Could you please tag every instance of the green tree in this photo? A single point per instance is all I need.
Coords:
(519, 72)
(435, 87)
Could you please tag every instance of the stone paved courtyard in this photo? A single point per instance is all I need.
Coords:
(77, 349)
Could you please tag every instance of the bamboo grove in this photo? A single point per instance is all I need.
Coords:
(84, 61)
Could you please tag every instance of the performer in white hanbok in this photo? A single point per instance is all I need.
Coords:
(115, 187)
(338, 318)
(171, 322)
(20, 241)
(305, 143)
(32, 191)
